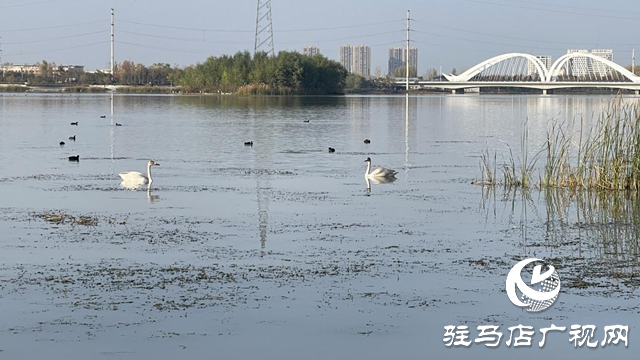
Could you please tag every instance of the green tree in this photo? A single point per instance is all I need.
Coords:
(402, 72)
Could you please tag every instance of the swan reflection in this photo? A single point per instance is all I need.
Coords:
(135, 186)
(377, 181)
(152, 198)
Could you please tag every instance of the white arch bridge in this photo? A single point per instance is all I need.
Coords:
(519, 70)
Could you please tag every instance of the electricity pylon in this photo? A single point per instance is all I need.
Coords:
(264, 28)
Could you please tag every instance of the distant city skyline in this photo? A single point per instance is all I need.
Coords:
(464, 33)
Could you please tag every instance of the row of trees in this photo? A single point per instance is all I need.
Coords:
(125, 73)
(288, 72)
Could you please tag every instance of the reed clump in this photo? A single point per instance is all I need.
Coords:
(84, 89)
(517, 171)
(13, 89)
(265, 89)
(145, 90)
(606, 158)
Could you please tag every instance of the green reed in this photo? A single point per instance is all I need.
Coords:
(607, 158)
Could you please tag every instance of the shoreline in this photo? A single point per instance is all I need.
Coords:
(169, 90)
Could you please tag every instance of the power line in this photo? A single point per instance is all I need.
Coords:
(251, 31)
(398, 42)
(341, 39)
(500, 36)
(56, 38)
(488, 42)
(555, 6)
(453, 46)
(556, 11)
(342, 27)
(54, 50)
(185, 28)
(27, 4)
(512, 38)
(166, 49)
(236, 42)
(53, 27)
(181, 39)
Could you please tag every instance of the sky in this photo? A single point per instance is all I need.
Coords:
(447, 33)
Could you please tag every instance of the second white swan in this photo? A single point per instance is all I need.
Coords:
(134, 177)
(378, 172)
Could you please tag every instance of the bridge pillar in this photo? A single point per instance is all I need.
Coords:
(637, 92)
(547, 92)
(457, 91)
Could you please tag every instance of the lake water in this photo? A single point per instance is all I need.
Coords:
(280, 250)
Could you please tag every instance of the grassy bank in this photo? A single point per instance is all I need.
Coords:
(13, 89)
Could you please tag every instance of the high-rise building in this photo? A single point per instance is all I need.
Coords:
(311, 50)
(544, 59)
(346, 57)
(584, 67)
(599, 68)
(398, 58)
(361, 64)
(578, 66)
(395, 60)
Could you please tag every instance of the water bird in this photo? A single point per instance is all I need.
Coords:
(61, 143)
(367, 141)
(103, 116)
(117, 124)
(74, 158)
(248, 143)
(332, 150)
(72, 138)
(130, 178)
(378, 172)
(74, 123)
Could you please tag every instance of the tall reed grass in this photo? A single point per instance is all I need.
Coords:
(606, 158)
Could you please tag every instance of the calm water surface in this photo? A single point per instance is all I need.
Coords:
(279, 249)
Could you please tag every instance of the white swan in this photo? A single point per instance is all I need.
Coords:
(132, 178)
(378, 173)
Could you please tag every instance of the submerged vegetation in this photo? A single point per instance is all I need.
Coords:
(605, 158)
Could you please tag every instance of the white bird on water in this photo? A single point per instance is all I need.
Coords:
(378, 173)
(133, 178)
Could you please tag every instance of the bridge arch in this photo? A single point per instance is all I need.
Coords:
(467, 75)
(562, 61)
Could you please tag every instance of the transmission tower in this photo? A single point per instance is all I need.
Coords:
(264, 28)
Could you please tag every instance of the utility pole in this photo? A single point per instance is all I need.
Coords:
(112, 40)
(408, 44)
(1, 57)
(633, 61)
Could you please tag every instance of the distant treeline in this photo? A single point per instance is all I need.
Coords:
(125, 73)
(286, 73)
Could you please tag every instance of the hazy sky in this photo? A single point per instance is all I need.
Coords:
(448, 33)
